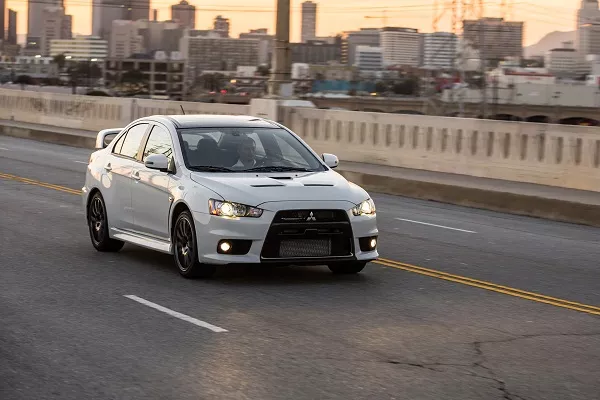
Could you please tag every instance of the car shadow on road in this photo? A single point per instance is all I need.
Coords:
(242, 274)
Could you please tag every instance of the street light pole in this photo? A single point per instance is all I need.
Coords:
(281, 68)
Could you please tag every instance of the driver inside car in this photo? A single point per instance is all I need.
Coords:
(246, 154)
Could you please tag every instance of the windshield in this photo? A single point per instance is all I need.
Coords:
(245, 150)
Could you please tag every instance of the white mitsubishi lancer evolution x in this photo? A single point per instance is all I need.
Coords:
(217, 190)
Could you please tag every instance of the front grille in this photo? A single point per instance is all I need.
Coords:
(299, 216)
(298, 234)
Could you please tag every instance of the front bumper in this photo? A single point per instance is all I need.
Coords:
(211, 230)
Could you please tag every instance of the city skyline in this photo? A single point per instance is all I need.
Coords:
(540, 17)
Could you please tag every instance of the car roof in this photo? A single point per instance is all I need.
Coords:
(215, 121)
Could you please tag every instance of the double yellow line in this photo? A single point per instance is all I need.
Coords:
(405, 267)
(38, 183)
(540, 298)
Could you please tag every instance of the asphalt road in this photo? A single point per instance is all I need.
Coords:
(67, 331)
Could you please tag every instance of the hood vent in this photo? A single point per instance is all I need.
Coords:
(268, 185)
(281, 177)
(318, 184)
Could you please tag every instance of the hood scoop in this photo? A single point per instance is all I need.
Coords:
(318, 184)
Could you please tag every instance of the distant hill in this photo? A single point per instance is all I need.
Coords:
(549, 42)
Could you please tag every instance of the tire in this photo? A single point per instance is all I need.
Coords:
(98, 226)
(347, 268)
(185, 249)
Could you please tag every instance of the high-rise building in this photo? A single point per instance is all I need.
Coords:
(265, 50)
(80, 48)
(184, 13)
(588, 28)
(561, 61)
(495, 38)
(11, 37)
(55, 25)
(400, 46)
(124, 39)
(225, 53)
(309, 21)
(221, 26)
(137, 9)
(351, 40)
(104, 12)
(35, 17)
(2, 20)
(438, 50)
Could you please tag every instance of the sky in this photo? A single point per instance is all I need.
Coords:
(540, 16)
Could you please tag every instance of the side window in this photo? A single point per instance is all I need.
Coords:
(119, 144)
(159, 142)
(133, 140)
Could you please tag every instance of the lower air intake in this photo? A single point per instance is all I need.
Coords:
(305, 248)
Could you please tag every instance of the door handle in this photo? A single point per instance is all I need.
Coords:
(107, 167)
(136, 176)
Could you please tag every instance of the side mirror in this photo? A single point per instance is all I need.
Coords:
(330, 160)
(157, 161)
(106, 136)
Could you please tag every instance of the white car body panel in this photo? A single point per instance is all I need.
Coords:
(140, 201)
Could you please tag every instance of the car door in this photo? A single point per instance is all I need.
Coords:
(118, 170)
(150, 187)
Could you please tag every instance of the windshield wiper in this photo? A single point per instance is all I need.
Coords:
(210, 168)
(275, 168)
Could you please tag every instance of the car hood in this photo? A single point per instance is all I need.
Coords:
(255, 189)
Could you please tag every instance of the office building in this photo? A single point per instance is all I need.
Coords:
(124, 39)
(438, 50)
(80, 48)
(163, 73)
(351, 40)
(11, 36)
(400, 46)
(309, 21)
(369, 59)
(221, 26)
(35, 16)
(266, 41)
(137, 9)
(55, 25)
(561, 61)
(316, 52)
(184, 13)
(35, 67)
(160, 35)
(226, 54)
(495, 38)
(589, 39)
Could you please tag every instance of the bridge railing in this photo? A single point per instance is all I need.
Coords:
(92, 112)
(555, 155)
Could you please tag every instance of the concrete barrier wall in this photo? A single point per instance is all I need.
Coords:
(555, 155)
(94, 113)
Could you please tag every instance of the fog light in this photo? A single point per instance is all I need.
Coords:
(373, 243)
(225, 247)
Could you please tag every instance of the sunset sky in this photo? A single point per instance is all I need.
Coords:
(541, 16)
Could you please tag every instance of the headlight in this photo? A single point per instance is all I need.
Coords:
(228, 209)
(367, 207)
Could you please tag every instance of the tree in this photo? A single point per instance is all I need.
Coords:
(380, 87)
(24, 80)
(60, 60)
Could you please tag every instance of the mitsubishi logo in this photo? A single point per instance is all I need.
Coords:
(311, 217)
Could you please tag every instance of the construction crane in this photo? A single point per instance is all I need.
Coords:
(383, 17)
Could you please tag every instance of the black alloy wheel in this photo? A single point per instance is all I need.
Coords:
(98, 226)
(185, 249)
